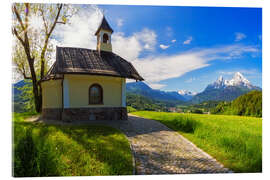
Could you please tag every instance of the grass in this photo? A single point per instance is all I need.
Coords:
(235, 141)
(54, 150)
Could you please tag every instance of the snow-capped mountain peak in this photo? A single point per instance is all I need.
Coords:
(219, 83)
(239, 80)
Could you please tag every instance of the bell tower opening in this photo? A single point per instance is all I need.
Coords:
(105, 38)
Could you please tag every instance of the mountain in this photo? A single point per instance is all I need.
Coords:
(16, 86)
(17, 90)
(225, 90)
(143, 89)
(188, 95)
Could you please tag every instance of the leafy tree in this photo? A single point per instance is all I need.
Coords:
(31, 49)
(249, 104)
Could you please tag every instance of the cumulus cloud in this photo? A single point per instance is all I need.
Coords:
(82, 27)
(188, 41)
(130, 47)
(239, 36)
(162, 46)
(173, 41)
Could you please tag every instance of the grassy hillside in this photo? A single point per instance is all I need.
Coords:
(249, 104)
(235, 141)
(51, 150)
(140, 102)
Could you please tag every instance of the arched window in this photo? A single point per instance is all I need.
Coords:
(95, 94)
(105, 38)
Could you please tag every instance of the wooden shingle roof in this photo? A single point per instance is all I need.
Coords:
(86, 61)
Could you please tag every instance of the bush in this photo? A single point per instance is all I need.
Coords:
(130, 109)
(197, 111)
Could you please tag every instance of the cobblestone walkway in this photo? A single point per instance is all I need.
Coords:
(159, 150)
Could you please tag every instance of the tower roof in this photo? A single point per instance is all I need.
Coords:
(104, 25)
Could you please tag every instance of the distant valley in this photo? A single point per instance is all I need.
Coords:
(220, 90)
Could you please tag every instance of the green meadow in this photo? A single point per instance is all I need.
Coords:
(55, 150)
(235, 141)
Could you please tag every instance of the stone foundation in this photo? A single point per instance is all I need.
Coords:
(86, 114)
(52, 113)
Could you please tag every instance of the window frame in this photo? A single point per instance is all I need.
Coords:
(101, 94)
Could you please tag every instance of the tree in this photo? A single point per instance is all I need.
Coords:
(32, 47)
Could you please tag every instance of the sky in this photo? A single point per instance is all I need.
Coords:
(175, 48)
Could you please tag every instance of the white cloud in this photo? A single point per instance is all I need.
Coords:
(119, 22)
(147, 37)
(239, 36)
(81, 29)
(173, 41)
(159, 68)
(188, 41)
(156, 85)
(162, 46)
(130, 47)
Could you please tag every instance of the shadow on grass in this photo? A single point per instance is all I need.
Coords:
(34, 158)
(108, 149)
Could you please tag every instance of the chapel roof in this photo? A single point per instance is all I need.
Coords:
(104, 25)
(70, 60)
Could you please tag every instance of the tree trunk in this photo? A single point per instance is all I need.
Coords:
(37, 97)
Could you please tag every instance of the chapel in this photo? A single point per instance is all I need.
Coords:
(87, 84)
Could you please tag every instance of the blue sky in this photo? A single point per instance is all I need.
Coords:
(177, 48)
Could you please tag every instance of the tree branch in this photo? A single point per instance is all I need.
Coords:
(18, 16)
(42, 69)
(17, 35)
(60, 22)
(56, 19)
(44, 21)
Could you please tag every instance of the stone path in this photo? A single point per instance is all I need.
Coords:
(160, 150)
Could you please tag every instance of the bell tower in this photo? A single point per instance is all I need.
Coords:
(103, 34)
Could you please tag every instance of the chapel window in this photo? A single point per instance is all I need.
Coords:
(95, 94)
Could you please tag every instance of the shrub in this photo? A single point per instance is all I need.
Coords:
(197, 111)
(130, 109)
